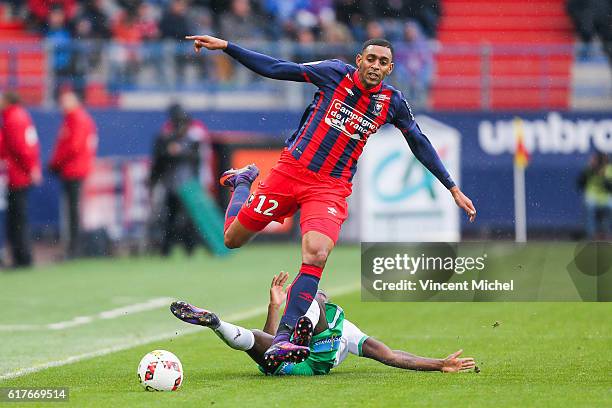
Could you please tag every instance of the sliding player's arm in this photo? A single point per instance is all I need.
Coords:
(278, 295)
(261, 64)
(379, 351)
(427, 155)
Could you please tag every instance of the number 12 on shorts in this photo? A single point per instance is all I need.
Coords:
(268, 211)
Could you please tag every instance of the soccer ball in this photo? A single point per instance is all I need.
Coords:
(160, 370)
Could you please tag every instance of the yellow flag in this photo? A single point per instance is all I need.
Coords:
(521, 155)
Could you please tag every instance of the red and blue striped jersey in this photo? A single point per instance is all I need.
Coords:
(342, 116)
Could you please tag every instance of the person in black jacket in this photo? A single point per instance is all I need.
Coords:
(176, 160)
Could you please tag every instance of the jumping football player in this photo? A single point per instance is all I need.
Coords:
(316, 167)
(330, 341)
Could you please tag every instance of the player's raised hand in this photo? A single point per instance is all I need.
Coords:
(464, 203)
(278, 293)
(207, 41)
(453, 363)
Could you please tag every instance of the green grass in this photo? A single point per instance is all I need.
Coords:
(541, 354)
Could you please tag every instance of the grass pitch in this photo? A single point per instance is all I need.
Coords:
(539, 354)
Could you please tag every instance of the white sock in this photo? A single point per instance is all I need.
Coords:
(236, 337)
(313, 312)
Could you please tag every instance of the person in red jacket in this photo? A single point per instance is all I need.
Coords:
(21, 152)
(73, 158)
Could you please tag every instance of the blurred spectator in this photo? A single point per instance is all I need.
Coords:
(59, 37)
(130, 6)
(21, 153)
(586, 15)
(305, 37)
(135, 25)
(415, 64)
(596, 183)
(131, 28)
(284, 10)
(15, 8)
(91, 25)
(41, 10)
(306, 50)
(374, 30)
(176, 159)
(592, 18)
(319, 6)
(333, 32)
(390, 9)
(92, 21)
(426, 12)
(72, 160)
(283, 15)
(175, 23)
(135, 59)
(353, 12)
(217, 7)
(240, 24)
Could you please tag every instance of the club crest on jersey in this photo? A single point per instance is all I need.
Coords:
(378, 108)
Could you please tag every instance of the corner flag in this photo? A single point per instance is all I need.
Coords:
(521, 155)
(521, 160)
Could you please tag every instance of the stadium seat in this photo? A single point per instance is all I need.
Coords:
(515, 75)
(23, 65)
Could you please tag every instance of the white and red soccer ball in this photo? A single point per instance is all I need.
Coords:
(160, 370)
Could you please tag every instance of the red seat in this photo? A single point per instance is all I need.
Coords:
(519, 78)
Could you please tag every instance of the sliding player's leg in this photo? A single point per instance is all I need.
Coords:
(253, 342)
(234, 336)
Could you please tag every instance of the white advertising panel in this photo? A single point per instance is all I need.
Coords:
(400, 200)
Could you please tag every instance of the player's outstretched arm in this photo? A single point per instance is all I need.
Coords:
(426, 154)
(463, 202)
(379, 351)
(278, 294)
(260, 63)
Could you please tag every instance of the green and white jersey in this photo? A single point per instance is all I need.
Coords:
(325, 345)
(330, 347)
(351, 342)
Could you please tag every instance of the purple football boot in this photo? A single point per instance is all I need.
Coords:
(194, 315)
(303, 331)
(232, 177)
(284, 352)
(295, 351)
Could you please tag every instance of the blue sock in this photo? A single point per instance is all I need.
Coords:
(239, 196)
(300, 295)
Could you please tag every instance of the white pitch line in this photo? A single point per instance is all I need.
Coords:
(102, 352)
(151, 304)
(161, 337)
